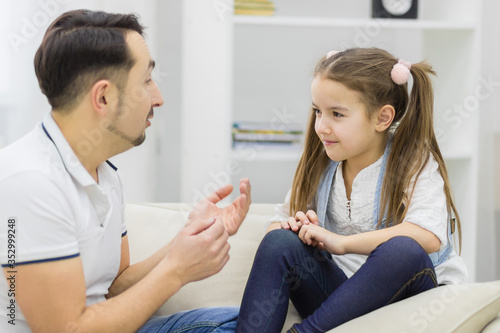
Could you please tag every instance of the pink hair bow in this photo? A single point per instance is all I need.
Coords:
(400, 72)
(331, 53)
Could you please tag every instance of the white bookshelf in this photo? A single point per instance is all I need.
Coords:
(272, 59)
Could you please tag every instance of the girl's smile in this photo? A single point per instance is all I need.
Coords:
(329, 143)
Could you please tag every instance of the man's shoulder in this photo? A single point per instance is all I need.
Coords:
(30, 153)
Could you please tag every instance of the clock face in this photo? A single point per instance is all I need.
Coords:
(397, 7)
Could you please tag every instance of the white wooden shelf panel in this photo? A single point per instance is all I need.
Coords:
(325, 22)
(251, 154)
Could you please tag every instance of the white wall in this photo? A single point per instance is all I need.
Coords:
(22, 104)
(491, 65)
(488, 231)
(169, 80)
(206, 98)
(496, 229)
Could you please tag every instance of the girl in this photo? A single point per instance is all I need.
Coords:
(371, 204)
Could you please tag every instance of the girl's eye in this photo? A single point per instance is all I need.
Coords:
(337, 115)
(316, 111)
(149, 81)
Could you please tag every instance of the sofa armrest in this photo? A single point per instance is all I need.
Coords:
(493, 326)
(465, 308)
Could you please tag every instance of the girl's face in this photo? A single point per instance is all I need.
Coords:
(342, 123)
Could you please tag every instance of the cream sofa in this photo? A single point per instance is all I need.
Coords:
(468, 308)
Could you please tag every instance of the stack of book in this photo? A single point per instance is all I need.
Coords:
(253, 7)
(264, 134)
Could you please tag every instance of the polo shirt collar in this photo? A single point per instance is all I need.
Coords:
(68, 156)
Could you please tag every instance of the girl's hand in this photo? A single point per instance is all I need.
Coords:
(300, 219)
(323, 239)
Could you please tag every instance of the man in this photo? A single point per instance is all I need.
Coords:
(64, 245)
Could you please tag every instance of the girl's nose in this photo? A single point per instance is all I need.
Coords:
(323, 126)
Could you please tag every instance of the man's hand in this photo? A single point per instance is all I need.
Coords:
(199, 250)
(233, 215)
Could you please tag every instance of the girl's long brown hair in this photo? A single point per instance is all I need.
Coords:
(368, 72)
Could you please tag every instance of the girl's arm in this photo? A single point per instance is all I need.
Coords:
(365, 243)
(273, 226)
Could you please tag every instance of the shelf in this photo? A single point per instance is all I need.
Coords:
(259, 154)
(256, 153)
(324, 22)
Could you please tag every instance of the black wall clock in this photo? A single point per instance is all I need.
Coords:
(405, 9)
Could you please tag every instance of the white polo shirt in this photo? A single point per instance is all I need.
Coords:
(52, 209)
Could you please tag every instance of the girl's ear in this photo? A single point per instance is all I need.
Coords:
(384, 117)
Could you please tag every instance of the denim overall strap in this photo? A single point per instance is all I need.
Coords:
(378, 190)
(436, 257)
(323, 192)
(441, 256)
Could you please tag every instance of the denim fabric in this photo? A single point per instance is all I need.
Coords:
(215, 320)
(285, 268)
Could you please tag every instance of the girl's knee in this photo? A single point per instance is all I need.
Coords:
(281, 235)
(404, 247)
(403, 255)
(280, 240)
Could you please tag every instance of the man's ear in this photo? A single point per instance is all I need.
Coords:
(100, 96)
(384, 117)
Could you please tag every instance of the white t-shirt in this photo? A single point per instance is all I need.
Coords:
(52, 209)
(427, 209)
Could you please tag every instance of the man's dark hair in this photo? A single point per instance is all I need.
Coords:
(81, 47)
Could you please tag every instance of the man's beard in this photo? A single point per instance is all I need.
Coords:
(137, 141)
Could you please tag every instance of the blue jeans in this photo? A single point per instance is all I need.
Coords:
(284, 268)
(216, 320)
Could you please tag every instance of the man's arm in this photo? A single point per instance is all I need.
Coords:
(52, 295)
(232, 216)
(130, 275)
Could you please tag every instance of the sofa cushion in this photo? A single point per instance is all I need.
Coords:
(466, 308)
